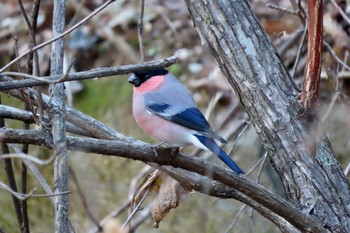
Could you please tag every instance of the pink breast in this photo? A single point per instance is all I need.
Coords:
(157, 127)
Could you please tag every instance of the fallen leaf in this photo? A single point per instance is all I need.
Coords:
(171, 192)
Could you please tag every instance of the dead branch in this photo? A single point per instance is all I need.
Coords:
(90, 74)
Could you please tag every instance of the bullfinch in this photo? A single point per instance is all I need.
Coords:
(165, 110)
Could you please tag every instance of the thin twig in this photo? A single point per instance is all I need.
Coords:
(140, 30)
(137, 207)
(252, 220)
(62, 78)
(331, 105)
(32, 40)
(143, 215)
(83, 199)
(19, 196)
(343, 14)
(58, 36)
(333, 53)
(45, 186)
(24, 210)
(261, 161)
(236, 218)
(243, 130)
(28, 157)
(283, 9)
(297, 59)
(25, 196)
(52, 194)
(25, 16)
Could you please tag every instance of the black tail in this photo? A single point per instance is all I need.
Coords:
(213, 147)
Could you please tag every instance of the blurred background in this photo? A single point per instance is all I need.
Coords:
(110, 39)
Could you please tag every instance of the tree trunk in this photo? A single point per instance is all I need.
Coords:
(312, 178)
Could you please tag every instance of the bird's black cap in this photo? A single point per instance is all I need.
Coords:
(139, 77)
(150, 73)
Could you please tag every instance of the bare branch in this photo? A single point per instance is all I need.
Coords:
(343, 14)
(140, 30)
(83, 199)
(297, 59)
(58, 130)
(334, 54)
(205, 185)
(236, 218)
(19, 196)
(137, 208)
(90, 74)
(23, 196)
(28, 157)
(44, 184)
(283, 9)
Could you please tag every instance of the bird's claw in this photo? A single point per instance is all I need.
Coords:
(175, 151)
(155, 147)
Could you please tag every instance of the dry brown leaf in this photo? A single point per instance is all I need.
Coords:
(151, 180)
(171, 192)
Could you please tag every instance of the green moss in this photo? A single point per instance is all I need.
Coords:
(98, 97)
(176, 69)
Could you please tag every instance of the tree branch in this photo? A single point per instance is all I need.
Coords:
(309, 94)
(138, 150)
(90, 74)
(206, 185)
(57, 116)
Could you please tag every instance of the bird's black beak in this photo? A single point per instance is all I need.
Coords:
(134, 80)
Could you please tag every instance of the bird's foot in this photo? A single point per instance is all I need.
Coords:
(155, 147)
(175, 151)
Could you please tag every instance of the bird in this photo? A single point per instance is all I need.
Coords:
(165, 110)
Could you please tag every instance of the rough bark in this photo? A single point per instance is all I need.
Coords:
(312, 178)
